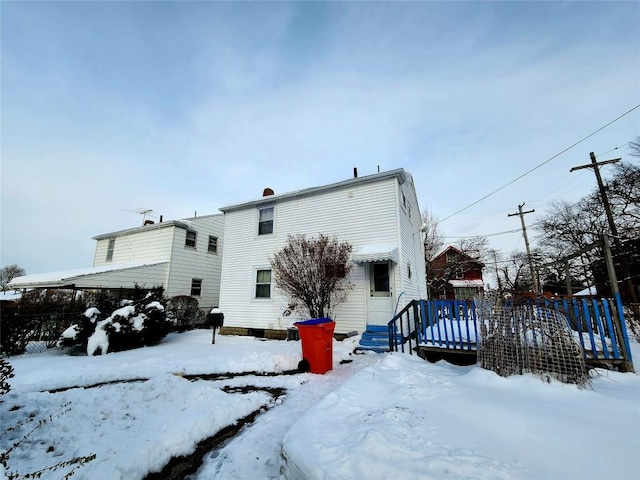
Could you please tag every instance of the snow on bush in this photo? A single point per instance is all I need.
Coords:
(136, 323)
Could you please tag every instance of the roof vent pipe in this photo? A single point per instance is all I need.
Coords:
(355, 172)
(266, 192)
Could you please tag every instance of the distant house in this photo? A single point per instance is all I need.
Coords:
(455, 275)
(183, 256)
(378, 214)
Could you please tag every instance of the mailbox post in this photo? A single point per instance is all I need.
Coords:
(215, 318)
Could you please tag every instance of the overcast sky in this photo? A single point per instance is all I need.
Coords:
(109, 107)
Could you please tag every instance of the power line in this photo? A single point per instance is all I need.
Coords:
(613, 149)
(488, 235)
(541, 164)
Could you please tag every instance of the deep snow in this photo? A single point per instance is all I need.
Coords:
(378, 416)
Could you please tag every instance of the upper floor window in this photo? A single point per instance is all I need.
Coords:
(110, 247)
(213, 244)
(196, 287)
(450, 257)
(263, 284)
(265, 220)
(190, 239)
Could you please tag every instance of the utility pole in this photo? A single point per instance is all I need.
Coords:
(603, 194)
(626, 282)
(521, 214)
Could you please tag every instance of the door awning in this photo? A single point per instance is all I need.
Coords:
(376, 253)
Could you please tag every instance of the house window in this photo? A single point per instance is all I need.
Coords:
(265, 220)
(263, 284)
(110, 247)
(196, 287)
(450, 257)
(213, 244)
(190, 239)
(335, 270)
(459, 274)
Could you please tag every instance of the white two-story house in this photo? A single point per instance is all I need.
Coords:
(378, 214)
(182, 256)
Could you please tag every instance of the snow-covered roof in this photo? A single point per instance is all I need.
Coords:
(399, 173)
(467, 283)
(144, 228)
(10, 296)
(69, 277)
(587, 291)
(376, 253)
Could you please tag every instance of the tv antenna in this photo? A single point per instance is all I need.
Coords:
(147, 213)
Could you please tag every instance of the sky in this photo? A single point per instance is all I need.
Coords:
(374, 416)
(109, 108)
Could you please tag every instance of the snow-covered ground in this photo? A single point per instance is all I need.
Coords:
(377, 416)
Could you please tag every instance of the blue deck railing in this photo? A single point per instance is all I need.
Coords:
(597, 325)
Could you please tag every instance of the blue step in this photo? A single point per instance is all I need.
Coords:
(376, 338)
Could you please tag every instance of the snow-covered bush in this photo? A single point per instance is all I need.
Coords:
(134, 324)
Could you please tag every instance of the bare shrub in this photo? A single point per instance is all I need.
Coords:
(185, 310)
(312, 273)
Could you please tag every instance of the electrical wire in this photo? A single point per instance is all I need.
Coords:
(541, 164)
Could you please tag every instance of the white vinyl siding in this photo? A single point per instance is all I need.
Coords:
(361, 214)
(189, 263)
(151, 245)
(167, 244)
(411, 248)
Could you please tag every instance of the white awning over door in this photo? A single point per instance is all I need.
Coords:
(376, 253)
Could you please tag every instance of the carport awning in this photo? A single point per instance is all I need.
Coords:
(376, 253)
(125, 275)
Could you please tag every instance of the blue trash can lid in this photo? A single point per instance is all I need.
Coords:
(314, 321)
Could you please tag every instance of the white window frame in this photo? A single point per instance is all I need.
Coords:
(256, 283)
(196, 284)
(110, 248)
(187, 240)
(215, 245)
(273, 219)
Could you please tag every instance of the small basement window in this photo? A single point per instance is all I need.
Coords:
(196, 287)
(190, 239)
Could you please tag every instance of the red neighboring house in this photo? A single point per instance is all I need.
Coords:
(454, 275)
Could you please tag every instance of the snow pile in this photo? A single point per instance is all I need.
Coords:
(405, 418)
(372, 416)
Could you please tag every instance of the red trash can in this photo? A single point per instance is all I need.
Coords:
(316, 336)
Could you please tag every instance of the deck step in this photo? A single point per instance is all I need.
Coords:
(376, 338)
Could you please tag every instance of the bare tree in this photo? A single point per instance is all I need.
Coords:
(515, 274)
(312, 272)
(634, 146)
(433, 240)
(8, 273)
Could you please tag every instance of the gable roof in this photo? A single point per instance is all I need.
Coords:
(398, 173)
(448, 248)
